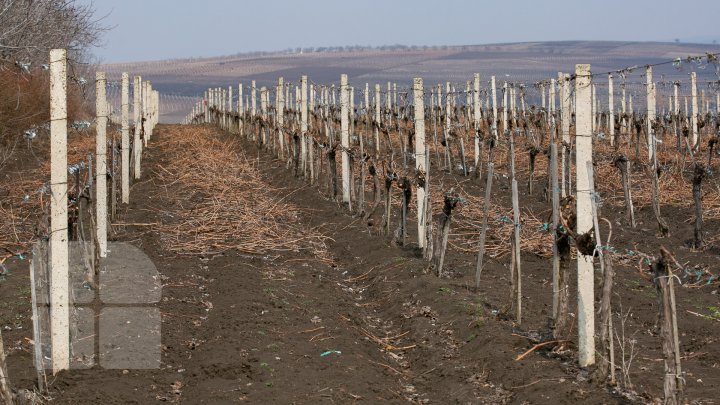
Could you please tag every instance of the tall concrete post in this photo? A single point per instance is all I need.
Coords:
(125, 135)
(585, 282)
(304, 124)
(476, 114)
(59, 263)
(694, 116)
(137, 115)
(494, 107)
(611, 108)
(650, 95)
(101, 162)
(345, 138)
(420, 156)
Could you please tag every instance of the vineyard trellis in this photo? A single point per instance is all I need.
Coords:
(581, 132)
(79, 206)
(388, 151)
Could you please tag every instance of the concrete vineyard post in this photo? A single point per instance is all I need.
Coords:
(137, 144)
(59, 294)
(288, 99)
(304, 124)
(240, 109)
(694, 114)
(144, 110)
(125, 141)
(494, 107)
(101, 162)
(253, 101)
(505, 106)
(230, 108)
(448, 114)
(583, 141)
(281, 116)
(542, 96)
(420, 157)
(513, 110)
(623, 108)
(476, 116)
(206, 101)
(377, 120)
(611, 109)
(395, 103)
(366, 101)
(552, 96)
(565, 116)
(345, 138)
(650, 95)
(351, 98)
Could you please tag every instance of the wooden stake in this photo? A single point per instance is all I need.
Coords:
(555, 223)
(483, 228)
(38, 265)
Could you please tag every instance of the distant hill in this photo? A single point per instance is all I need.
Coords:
(525, 62)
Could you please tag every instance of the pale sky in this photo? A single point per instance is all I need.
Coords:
(163, 29)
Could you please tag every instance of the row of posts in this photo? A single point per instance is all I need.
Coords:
(146, 115)
(220, 100)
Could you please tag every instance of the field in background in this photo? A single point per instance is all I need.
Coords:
(181, 82)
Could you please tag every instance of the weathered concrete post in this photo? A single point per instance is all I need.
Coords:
(240, 110)
(694, 116)
(101, 162)
(125, 141)
(304, 125)
(565, 118)
(253, 102)
(230, 109)
(585, 300)
(611, 108)
(377, 121)
(144, 110)
(552, 96)
(206, 105)
(494, 108)
(420, 156)
(281, 116)
(650, 94)
(505, 106)
(476, 115)
(345, 139)
(59, 264)
(137, 115)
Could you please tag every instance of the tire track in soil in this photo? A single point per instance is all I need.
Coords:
(238, 328)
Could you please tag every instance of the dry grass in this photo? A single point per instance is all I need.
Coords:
(224, 203)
